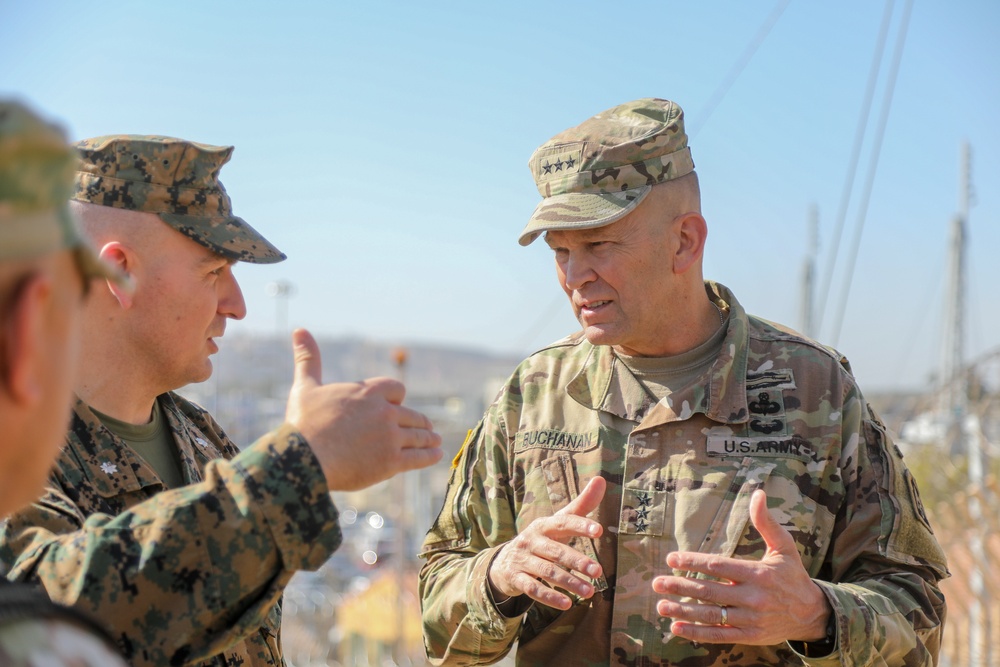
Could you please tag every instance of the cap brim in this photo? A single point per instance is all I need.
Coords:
(577, 210)
(230, 237)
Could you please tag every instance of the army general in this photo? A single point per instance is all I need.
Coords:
(679, 483)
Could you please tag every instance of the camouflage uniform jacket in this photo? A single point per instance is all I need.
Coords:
(186, 576)
(775, 411)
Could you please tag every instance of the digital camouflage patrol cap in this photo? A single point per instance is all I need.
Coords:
(178, 181)
(596, 172)
(36, 179)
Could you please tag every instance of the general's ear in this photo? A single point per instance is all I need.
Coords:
(692, 231)
(23, 342)
(121, 256)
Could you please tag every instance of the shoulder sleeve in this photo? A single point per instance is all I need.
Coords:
(461, 623)
(885, 561)
(189, 572)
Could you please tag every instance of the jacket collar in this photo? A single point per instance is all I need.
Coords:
(114, 468)
(605, 383)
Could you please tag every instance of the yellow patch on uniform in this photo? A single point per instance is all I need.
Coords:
(458, 456)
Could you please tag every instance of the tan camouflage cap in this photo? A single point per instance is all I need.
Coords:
(596, 172)
(178, 181)
(36, 179)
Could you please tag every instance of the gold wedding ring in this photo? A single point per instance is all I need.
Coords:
(725, 615)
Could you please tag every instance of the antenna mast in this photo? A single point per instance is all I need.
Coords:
(806, 308)
(954, 387)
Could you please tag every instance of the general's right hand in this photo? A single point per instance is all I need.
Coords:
(359, 431)
(538, 559)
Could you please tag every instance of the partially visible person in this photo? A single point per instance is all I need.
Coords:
(154, 521)
(45, 270)
(680, 482)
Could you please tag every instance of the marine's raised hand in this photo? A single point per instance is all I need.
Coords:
(360, 431)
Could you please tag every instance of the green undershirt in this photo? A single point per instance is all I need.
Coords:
(661, 376)
(152, 441)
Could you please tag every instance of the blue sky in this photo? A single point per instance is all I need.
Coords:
(383, 146)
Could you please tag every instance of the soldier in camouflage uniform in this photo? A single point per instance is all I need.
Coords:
(154, 521)
(680, 483)
(45, 268)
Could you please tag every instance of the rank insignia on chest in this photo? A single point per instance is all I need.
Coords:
(642, 512)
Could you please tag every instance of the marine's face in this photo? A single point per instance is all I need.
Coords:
(184, 295)
(619, 279)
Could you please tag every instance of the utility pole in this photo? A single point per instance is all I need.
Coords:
(806, 307)
(966, 437)
(282, 291)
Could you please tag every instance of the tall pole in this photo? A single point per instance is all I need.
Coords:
(968, 433)
(952, 353)
(806, 307)
(282, 291)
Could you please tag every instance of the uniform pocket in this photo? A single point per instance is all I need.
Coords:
(270, 633)
(562, 486)
(730, 522)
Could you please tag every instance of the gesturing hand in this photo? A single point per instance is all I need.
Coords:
(360, 432)
(538, 558)
(760, 602)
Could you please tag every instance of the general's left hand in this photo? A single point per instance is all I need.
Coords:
(767, 602)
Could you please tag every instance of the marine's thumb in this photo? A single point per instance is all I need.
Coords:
(308, 365)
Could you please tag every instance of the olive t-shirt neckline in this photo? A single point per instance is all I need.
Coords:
(661, 376)
(152, 441)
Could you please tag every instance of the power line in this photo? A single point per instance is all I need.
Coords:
(859, 137)
(738, 67)
(876, 151)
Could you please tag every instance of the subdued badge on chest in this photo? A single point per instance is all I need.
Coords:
(766, 403)
(554, 439)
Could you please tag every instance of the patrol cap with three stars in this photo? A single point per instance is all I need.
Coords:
(36, 179)
(177, 180)
(593, 174)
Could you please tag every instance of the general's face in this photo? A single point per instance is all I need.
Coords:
(619, 278)
(184, 293)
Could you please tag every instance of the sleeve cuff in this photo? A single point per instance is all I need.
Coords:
(286, 483)
(848, 616)
(488, 618)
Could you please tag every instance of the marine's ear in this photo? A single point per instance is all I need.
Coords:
(120, 256)
(23, 339)
(691, 231)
